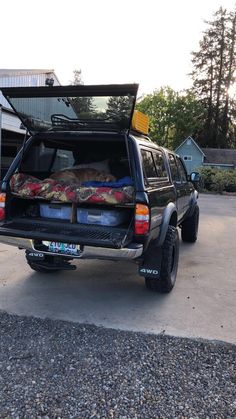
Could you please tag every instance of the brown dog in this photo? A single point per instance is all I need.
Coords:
(79, 176)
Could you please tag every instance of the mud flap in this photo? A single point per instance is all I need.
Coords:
(150, 267)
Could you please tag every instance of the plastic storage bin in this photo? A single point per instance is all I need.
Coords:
(61, 212)
(101, 216)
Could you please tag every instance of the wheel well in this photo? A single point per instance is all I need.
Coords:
(173, 219)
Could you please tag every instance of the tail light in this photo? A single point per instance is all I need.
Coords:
(2, 206)
(142, 219)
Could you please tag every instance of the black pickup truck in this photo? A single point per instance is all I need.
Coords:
(87, 184)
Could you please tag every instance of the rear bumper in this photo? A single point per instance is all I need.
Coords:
(132, 251)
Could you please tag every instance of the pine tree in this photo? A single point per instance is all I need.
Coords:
(83, 106)
(77, 78)
(214, 66)
(119, 109)
(230, 78)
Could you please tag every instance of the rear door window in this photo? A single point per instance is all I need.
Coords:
(148, 165)
(154, 167)
(182, 172)
(160, 165)
(174, 169)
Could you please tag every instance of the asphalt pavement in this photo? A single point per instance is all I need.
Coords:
(111, 294)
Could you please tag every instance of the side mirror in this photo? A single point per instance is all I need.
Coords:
(194, 177)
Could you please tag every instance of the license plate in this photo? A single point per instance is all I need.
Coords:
(64, 248)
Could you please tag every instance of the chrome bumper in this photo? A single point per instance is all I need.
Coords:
(133, 251)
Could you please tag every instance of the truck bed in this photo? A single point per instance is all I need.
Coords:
(92, 235)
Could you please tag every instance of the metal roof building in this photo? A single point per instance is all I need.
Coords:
(11, 131)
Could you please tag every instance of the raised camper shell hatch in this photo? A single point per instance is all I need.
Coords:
(97, 111)
(74, 108)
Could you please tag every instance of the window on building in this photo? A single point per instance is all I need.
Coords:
(187, 158)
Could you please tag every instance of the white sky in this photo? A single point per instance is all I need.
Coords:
(124, 41)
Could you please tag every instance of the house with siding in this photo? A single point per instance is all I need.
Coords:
(220, 157)
(195, 157)
(11, 130)
(191, 153)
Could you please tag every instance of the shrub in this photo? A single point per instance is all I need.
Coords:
(207, 177)
(230, 181)
(218, 180)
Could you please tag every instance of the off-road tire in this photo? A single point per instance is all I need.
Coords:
(36, 267)
(169, 264)
(189, 229)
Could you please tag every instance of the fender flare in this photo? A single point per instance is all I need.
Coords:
(192, 203)
(169, 212)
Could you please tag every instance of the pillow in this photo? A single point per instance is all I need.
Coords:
(102, 166)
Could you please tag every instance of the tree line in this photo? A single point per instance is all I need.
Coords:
(207, 111)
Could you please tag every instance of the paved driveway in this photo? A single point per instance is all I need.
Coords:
(111, 294)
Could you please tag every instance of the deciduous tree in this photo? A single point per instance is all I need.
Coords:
(173, 115)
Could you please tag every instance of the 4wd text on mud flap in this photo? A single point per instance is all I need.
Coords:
(149, 271)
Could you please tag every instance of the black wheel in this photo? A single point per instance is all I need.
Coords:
(169, 264)
(38, 266)
(189, 227)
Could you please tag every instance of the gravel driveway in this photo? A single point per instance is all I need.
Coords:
(58, 369)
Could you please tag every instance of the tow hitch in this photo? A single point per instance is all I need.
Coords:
(49, 262)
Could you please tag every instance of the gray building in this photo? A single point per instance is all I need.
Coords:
(11, 130)
(220, 157)
(191, 153)
(196, 157)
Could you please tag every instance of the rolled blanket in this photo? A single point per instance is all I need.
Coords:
(26, 186)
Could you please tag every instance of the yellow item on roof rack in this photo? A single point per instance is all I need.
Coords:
(140, 122)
